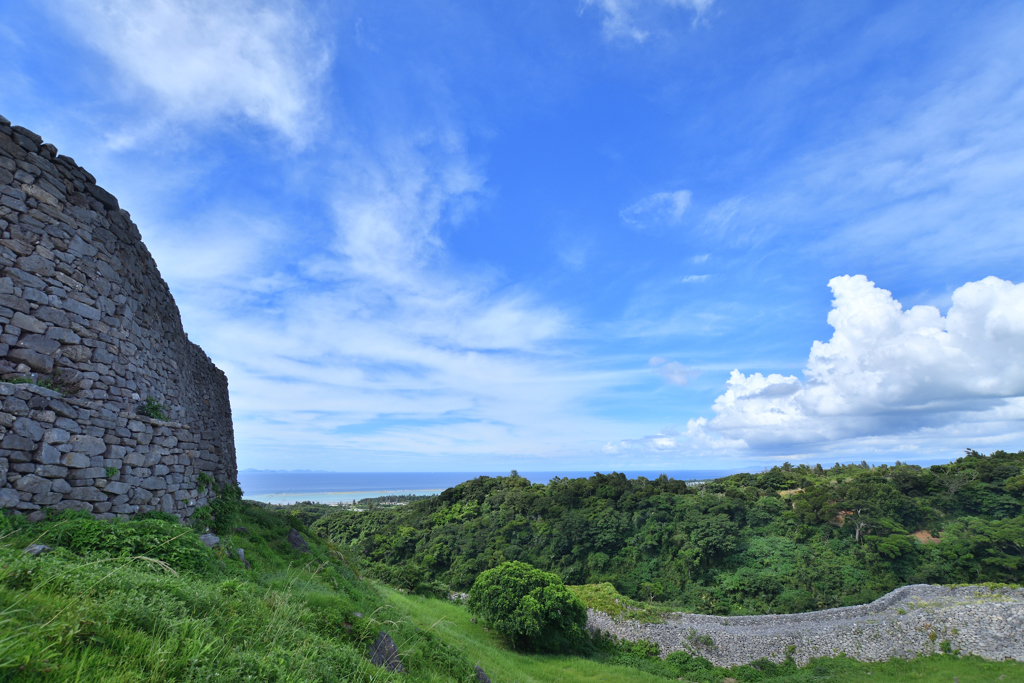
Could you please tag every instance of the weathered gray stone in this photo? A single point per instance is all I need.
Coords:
(37, 549)
(75, 460)
(384, 652)
(80, 247)
(78, 308)
(87, 493)
(28, 323)
(154, 483)
(38, 343)
(209, 540)
(69, 504)
(297, 542)
(86, 473)
(36, 265)
(40, 195)
(76, 353)
(56, 435)
(16, 442)
(9, 498)
(47, 499)
(165, 441)
(116, 487)
(48, 455)
(33, 484)
(62, 335)
(28, 428)
(33, 359)
(90, 445)
(52, 471)
(108, 200)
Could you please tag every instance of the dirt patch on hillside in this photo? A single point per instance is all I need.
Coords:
(925, 536)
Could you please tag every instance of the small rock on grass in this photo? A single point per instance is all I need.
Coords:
(209, 540)
(241, 556)
(297, 541)
(481, 677)
(37, 549)
(384, 653)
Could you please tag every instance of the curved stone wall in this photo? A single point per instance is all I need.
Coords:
(90, 331)
(913, 620)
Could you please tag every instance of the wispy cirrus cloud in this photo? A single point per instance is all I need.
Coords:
(205, 59)
(377, 344)
(673, 372)
(661, 209)
(625, 19)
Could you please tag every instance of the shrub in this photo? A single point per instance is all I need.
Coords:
(530, 607)
(152, 408)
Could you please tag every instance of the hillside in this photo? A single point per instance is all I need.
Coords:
(790, 539)
(147, 600)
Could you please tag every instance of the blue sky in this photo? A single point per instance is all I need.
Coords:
(608, 234)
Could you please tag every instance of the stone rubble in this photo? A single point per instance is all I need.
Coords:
(84, 310)
(914, 620)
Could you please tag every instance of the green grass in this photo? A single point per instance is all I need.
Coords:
(488, 650)
(604, 598)
(145, 601)
(130, 601)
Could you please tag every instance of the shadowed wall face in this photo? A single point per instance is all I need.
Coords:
(90, 331)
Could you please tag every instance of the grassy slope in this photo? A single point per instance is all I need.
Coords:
(169, 609)
(486, 649)
(145, 601)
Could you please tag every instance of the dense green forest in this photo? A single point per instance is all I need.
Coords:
(785, 540)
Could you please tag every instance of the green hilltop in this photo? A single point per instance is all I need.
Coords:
(790, 539)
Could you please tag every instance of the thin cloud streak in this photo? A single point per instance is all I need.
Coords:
(620, 21)
(205, 59)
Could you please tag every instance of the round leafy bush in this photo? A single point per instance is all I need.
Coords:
(530, 607)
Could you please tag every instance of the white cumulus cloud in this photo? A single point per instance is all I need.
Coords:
(888, 371)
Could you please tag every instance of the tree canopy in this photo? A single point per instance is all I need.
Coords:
(791, 538)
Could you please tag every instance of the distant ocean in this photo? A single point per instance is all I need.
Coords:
(285, 487)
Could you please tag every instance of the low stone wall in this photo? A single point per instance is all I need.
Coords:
(910, 621)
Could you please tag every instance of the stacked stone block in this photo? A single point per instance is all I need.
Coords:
(84, 311)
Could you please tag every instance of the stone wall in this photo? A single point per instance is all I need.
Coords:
(913, 620)
(84, 312)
